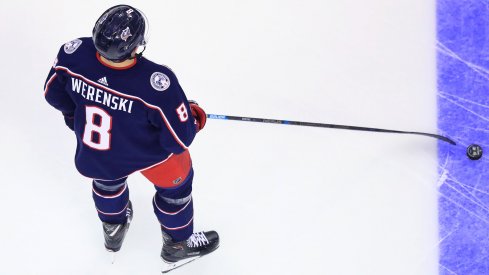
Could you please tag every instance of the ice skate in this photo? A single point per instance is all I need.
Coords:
(114, 234)
(176, 254)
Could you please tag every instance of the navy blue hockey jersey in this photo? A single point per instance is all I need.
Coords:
(125, 120)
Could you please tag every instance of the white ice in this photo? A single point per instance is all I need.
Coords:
(285, 199)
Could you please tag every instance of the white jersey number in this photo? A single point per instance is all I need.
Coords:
(182, 113)
(97, 129)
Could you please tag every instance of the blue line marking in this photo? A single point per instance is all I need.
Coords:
(463, 104)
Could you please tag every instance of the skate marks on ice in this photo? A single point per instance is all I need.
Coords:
(463, 79)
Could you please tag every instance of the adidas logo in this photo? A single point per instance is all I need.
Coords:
(103, 81)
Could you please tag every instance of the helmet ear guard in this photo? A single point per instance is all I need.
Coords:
(119, 31)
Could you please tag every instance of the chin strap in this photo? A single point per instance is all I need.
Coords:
(138, 55)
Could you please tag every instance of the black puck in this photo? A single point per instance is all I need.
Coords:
(474, 152)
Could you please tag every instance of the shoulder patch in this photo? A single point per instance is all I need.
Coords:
(160, 81)
(71, 46)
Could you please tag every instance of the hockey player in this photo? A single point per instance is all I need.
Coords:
(130, 114)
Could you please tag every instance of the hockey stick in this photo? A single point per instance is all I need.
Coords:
(325, 125)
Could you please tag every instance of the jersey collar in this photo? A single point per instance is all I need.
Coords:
(116, 68)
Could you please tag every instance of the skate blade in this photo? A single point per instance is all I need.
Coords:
(112, 256)
(169, 266)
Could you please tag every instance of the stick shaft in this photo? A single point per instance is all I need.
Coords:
(326, 125)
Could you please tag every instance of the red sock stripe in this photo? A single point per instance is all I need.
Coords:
(113, 214)
(178, 228)
(170, 213)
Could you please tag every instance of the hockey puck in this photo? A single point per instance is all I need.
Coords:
(474, 152)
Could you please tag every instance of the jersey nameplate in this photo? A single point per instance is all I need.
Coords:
(160, 81)
(92, 93)
(71, 46)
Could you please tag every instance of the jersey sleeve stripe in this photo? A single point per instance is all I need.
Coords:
(49, 83)
(167, 123)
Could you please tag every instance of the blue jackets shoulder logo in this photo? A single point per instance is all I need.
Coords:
(160, 81)
(71, 46)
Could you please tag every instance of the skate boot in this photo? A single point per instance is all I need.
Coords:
(176, 254)
(114, 233)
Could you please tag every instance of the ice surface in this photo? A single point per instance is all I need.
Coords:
(464, 115)
(285, 199)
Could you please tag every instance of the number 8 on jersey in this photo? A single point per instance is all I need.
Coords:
(97, 128)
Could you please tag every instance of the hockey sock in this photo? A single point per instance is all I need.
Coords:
(174, 210)
(111, 200)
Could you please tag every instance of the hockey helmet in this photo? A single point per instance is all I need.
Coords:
(119, 31)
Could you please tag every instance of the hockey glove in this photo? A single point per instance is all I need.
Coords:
(70, 121)
(199, 114)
